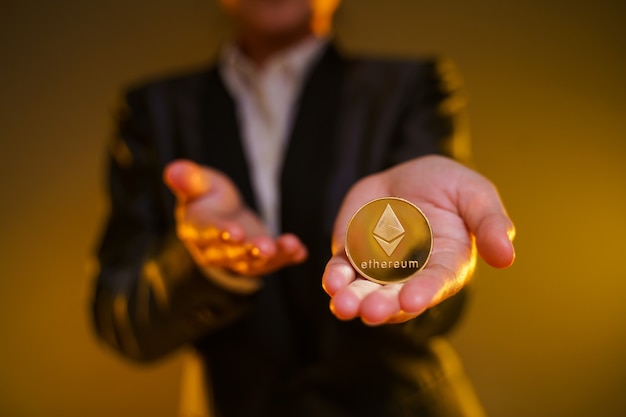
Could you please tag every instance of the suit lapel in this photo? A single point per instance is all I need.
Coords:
(221, 144)
(308, 158)
(305, 178)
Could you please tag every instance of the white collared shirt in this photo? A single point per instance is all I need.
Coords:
(266, 100)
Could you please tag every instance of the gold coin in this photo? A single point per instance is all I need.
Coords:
(388, 240)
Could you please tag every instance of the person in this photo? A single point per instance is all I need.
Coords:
(231, 189)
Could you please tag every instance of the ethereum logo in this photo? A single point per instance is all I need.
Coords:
(388, 232)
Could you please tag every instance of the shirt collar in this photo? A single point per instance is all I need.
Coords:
(294, 61)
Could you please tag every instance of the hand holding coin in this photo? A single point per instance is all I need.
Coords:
(465, 215)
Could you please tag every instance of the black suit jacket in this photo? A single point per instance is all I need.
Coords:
(280, 351)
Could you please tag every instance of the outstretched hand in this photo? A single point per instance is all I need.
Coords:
(466, 216)
(219, 230)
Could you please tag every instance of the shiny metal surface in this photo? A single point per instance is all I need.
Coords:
(388, 240)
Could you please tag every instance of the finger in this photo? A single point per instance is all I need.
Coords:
(338, 274)
(186, 179)
(240, 258)
(382, 305)
(346, 304)
(433, 285)
(225, 255)
(262, 248)
(281, 249)
(450, 267)
(207, 235)
(292, 248)
(422, 292)
(494, 240)
(285, 251)
(486, 217)
(261, 255)
(203, 237)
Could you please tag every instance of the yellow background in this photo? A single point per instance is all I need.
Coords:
(547, 88)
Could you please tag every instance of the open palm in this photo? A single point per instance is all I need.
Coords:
(219, 230)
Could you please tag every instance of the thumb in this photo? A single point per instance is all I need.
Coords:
(186, 179)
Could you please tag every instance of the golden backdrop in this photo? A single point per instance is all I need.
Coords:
(546, 79)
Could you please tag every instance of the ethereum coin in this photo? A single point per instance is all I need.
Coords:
(388, 240)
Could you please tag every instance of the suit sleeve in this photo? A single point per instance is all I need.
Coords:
(150, 297)
(433, 116)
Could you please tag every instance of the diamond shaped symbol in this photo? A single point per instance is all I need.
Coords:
(388, 231)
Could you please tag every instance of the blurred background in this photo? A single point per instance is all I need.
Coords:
(547, 90)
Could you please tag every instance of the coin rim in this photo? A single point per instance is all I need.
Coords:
(369, 278)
